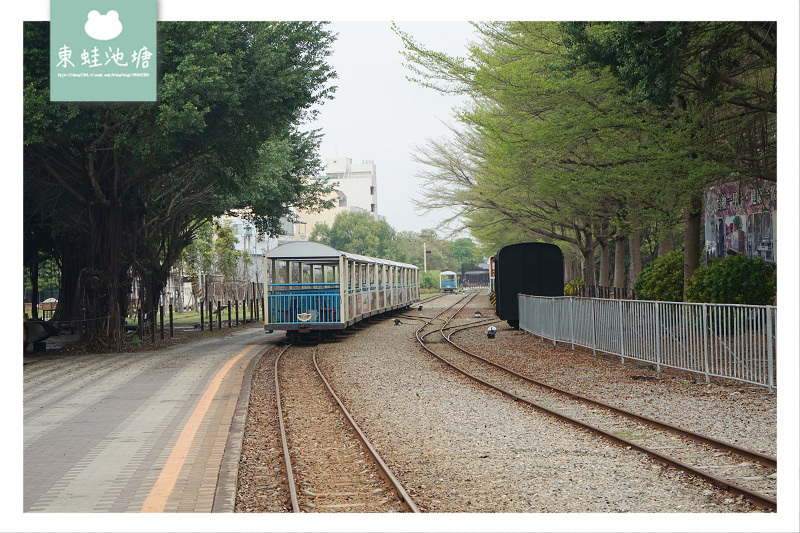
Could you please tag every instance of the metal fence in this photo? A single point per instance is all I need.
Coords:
(727, 341)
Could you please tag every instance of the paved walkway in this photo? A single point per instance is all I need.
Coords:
(145, 432)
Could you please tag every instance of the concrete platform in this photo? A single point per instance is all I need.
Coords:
(146, 432)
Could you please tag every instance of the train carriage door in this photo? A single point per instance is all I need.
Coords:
(374, 284)
(400, 281)
(376, 301)
(271, 273)
(364, 287)
(365, 302)
(393, 290)
(382, 286)
(351, 297)
(351, 291)
(389, 286)
(400, 285)
(342, 313)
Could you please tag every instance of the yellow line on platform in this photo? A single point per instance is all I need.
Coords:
(159, 494)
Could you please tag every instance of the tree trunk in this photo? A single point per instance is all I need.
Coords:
(68, 309)
(635, 245)
(587, 251)
(665, 246)
(572, 268)
(605, 265)
(694, 226)
(95, 284)
(619, 262)
(34, 271)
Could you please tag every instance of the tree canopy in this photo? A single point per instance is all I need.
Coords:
(358, 232)
(465, 253)
(113, 191)
(560, 143)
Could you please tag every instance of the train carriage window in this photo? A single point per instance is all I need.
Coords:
(283, 272)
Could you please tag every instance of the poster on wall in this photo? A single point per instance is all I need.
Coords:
(740, 219)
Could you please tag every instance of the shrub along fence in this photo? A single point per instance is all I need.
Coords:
(212, 315)
(716, 340)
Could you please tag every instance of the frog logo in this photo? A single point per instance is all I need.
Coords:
(103, 27)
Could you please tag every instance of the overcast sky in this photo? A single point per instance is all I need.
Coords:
(378, 114)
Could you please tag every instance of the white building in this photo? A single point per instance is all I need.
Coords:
(357, 191)
(358, 182)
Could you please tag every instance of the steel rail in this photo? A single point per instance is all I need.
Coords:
(384, 469)
(484, 322)
(745, 453)
(755, 497)
(401, 493)
(287, 460)
(445, 321)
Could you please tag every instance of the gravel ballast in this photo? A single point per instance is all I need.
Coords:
(459, 448)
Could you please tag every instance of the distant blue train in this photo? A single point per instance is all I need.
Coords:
(447, 281)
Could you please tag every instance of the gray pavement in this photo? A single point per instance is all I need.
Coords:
(145, 432)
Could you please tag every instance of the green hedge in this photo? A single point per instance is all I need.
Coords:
(663, 280)
(429, 279)
(732, 280)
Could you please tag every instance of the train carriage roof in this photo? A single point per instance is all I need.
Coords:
(318, 253)
(305, 250)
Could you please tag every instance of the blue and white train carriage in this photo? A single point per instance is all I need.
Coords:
(313, 287)
(448, 281)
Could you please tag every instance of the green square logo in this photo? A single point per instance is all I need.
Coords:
(103, 50)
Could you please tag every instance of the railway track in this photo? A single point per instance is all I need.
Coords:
(330, 464)
(729, 467)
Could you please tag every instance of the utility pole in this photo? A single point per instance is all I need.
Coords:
(424, 256)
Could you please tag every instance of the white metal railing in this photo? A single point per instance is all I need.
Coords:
(720, 340)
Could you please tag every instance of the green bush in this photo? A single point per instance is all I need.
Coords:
(429, 279)
(573, 287)
(734, 280)
(695, 286)
(663, 280)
